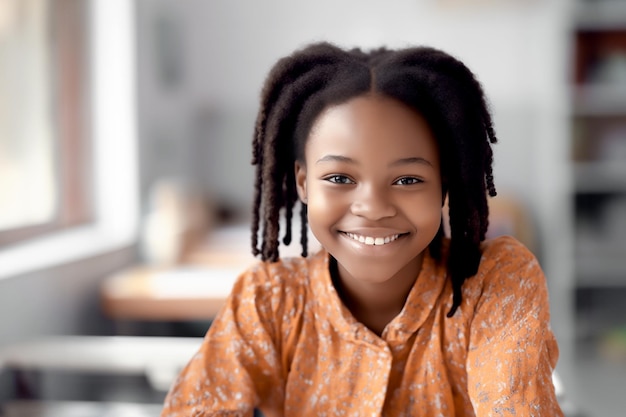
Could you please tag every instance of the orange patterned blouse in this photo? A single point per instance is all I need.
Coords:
(284, 343)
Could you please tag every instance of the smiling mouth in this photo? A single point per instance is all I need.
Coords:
(372, 241)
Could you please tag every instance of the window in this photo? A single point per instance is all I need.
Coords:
(44, 121)
(94, 155)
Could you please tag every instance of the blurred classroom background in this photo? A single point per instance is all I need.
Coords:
(126, 184)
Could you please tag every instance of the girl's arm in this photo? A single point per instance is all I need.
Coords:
(512, 350)
(237, 367)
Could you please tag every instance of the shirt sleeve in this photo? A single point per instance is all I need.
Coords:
(512, 350)
(237, 367)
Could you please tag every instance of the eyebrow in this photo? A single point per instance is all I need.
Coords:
(399, 162)
(411, 160)
(335, 158)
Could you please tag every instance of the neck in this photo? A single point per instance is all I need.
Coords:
(374, 304)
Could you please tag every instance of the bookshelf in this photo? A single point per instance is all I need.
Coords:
(598, 162)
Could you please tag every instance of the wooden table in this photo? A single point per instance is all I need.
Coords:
(167, 294)
(194, 290)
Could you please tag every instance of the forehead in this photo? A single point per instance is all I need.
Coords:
(373, 123)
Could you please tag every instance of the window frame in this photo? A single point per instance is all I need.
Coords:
(67, 45)
(112, 182)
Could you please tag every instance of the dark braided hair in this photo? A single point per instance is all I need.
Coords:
(441, 88)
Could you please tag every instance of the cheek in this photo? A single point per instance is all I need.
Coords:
(427, 211)
(325, 208)
(322, 203)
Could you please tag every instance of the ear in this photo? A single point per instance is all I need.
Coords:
(300, 170)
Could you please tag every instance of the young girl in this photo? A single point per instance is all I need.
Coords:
(391, 317)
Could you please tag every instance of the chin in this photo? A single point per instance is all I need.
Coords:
(373, 273)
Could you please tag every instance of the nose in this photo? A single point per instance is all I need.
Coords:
(372, 203)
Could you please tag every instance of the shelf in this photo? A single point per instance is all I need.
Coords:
(599, 100)
(600, 177)
(600, 15)
(593, 272)
(600, 264)
(597, 163)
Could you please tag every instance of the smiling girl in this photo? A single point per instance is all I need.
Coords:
(391, 317)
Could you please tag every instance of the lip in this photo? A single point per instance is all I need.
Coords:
(374, 231)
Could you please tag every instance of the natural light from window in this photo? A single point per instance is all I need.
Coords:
(27, 152)
(68, 150)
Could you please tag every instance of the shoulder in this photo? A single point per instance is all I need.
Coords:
(505, 260)
(509, 293)
(289, 271)
(278, 284)
(505, 256)
(507, 269)
(268, 295)
(504, 249)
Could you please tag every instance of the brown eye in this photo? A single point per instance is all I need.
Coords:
(339, 179)
(408, 181)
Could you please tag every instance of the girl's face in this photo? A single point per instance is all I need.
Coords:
(372, 183)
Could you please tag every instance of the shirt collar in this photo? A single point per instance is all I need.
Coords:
(422, 299)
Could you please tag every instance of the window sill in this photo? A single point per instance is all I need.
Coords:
(61, 248)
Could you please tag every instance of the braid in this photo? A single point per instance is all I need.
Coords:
(290, 83)
(438, 86)
(303, 231)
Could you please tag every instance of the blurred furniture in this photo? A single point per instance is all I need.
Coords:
(194, 288)
(167, 294)
(598, 159)
(159, 359)
(79, 409)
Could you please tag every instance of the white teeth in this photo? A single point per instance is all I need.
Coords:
(372, 241)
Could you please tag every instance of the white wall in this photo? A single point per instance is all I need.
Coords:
(58, 300)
